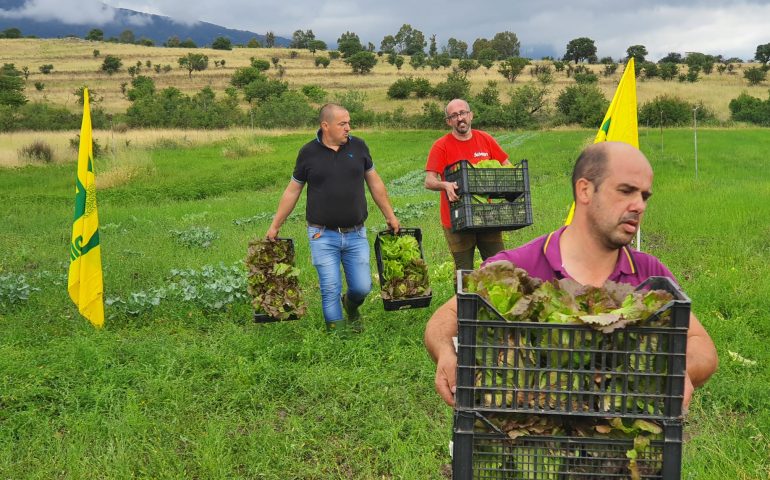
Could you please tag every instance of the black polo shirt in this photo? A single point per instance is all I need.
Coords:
(335, 181)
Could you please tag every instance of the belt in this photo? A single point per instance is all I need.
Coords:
(338, 229)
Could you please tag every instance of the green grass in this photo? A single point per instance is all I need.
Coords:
(183, 393)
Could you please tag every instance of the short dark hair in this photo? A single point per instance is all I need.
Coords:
(591, 165)
(325, 113)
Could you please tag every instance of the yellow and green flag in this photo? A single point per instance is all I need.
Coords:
(85, 283)
(620, 123)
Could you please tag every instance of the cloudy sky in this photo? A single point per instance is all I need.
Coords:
(727, 27)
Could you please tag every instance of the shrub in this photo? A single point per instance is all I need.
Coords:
(46, 69)
(583, 78)
(95, 145)
(314, 93)
(422, 87)
(489, 95)
(293, 54)
(37, 151)
(746, 108)
(260, 64)
(334, 54)
(322, 61)
(262, 88)
(582, 104)
(39, 86)
(401, 88)
(288, 110)
(456, 85)
(671, 111)
(755, 75)
(668, 70)
(352, 100)
(610, 69)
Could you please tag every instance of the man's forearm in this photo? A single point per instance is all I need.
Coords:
(702, 360)
(440, 329)
(285, 206)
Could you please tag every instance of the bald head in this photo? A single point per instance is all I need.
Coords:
(458, 103)
(326, 114)
(595, 160)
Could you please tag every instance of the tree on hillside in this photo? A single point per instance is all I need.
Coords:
(762, 54)
(12, 32)
(487, 57)
(637, 52)
(512, 68)
(260, 64)
(253, 43)
(388, 44)
(432, 50)
(194, 62)
(126, 36)
(580, 49)
(672, 57)
(349, 44)
(270, 39)
(410, 40)
(11, 86)
(315, 45)
(479, 45)
(362, 62)
(244, 76)
(506, 44)
(222, 43)
(111, 64)
(300, 39)
(95, 34)
(188, 43)
(457, 48)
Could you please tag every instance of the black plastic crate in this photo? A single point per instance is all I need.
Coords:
(505, 182)
(569, 369)
(403, 303)
(260, 317)
(468, 214)
(480, 451)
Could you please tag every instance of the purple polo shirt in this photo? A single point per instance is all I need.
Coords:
(541, 258)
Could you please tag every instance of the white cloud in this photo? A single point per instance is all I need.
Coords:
(74, 12)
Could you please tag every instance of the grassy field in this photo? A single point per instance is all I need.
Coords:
(75, 66)
(182, 391)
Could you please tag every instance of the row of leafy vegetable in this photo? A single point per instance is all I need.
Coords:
(537, 447)
(545, 365)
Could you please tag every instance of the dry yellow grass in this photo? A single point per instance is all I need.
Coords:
(118, 142)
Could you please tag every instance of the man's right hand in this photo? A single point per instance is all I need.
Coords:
(449, 188)
(272, 233)
(446, 377)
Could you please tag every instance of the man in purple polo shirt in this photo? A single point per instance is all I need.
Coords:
(611, 184)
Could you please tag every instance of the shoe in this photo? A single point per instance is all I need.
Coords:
(339, 328)
(354, 316)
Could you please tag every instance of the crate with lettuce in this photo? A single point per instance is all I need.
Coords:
(273, 280)
(547, 447)
(402, 270)
(560, 347)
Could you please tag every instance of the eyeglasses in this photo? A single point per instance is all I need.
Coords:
(455, 116)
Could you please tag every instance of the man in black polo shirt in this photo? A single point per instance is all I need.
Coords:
(335, 166)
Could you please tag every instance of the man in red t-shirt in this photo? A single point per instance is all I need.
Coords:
(462, 143)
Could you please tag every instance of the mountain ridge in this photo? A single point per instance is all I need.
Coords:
(157, 28)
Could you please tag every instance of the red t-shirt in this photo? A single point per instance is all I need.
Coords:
(448, 150)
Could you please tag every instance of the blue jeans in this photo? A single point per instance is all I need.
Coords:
(329, 248)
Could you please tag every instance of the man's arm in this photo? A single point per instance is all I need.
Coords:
(441, 327)
(285, 206)
(702, 360)
(433, 182)
(380, 196)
